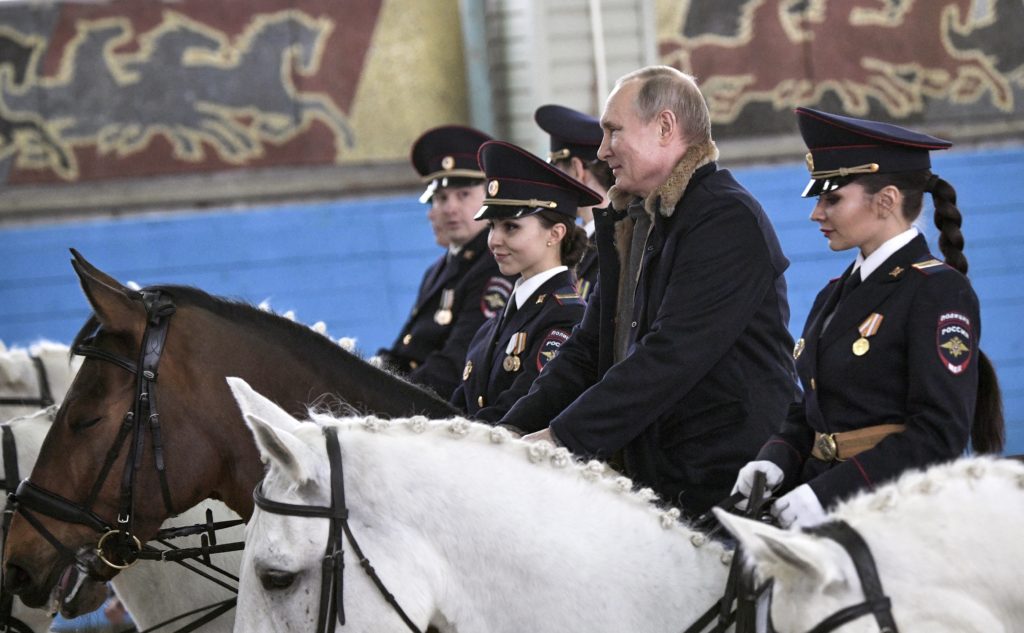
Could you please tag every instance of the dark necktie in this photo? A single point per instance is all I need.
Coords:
(849, 284)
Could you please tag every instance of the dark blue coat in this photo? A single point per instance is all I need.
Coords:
(430, 352)
(709, 372)
(488, 388)
(586, 270)
(913, 373)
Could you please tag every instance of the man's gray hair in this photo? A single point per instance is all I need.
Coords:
(666, 88)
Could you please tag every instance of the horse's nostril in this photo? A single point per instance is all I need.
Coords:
(276, 579)
(15, 579)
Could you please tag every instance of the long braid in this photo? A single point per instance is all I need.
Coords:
(988, 431)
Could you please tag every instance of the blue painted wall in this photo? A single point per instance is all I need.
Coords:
(356, 264)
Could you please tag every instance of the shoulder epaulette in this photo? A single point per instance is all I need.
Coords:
(568, 296)
(930, 265)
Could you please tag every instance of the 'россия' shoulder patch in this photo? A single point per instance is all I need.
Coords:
(953, 341)
(496, 293)
(550, 345)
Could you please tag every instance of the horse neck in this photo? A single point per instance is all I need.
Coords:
(467, 508)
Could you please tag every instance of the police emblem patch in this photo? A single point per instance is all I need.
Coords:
(953, 341)
(549, 347)
(495, 296)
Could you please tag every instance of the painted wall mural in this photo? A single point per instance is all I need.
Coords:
(910, 60)
(132, 90)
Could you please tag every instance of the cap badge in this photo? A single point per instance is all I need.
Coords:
(447, 162)
(809, 159)
(492, 188)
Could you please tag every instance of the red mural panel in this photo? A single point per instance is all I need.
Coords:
(127, 89)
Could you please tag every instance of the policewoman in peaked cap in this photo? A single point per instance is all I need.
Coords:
(530, 210)
(463, 288)
(889, 358)
(575, 138)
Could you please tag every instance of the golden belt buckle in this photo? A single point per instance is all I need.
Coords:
(827, 446)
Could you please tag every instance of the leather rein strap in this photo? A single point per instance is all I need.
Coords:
(875, 600)
(143, 415)
(10, 452)
(332, 607)
(45, 398)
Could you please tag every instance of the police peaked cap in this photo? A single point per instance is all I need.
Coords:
(572, 133)
(842, 146)
(446, 157)
(520, 184)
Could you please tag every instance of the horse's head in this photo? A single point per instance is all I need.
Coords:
(814, 577)
(109, 463)
(283, 558)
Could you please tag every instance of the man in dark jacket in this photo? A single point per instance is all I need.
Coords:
(463, 288)
(683, 360)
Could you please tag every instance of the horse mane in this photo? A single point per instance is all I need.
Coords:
(917, 484)
(539, 454)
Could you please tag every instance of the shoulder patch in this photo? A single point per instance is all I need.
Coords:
(496, 293)
(549, 347)
(931, 266)
(953, 341)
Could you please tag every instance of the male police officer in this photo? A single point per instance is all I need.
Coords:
(575, 138)
(463, 288)
(682, 360)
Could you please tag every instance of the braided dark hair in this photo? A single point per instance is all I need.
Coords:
(574, 244)
(988, 431)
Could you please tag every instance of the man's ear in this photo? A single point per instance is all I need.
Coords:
(668, 126)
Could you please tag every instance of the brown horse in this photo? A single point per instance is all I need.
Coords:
(102, 471)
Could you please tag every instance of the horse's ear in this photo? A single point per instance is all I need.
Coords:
(251, 402)
(112, 302)
(779, 553)
(274, 435)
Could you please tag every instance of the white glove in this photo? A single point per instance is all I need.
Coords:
(745, 480)
(798, 508)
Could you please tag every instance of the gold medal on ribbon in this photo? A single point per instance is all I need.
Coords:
(798, 349)
(443, 316)
(867, 328)
(516, 346)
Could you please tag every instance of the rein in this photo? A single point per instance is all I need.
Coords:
(45, 398)
(10, 452)
(332, 585)
(875, 600)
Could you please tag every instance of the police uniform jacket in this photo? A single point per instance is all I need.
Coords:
(709, 367)
(920, 369)
(490, 386)
(586, 270)
(431, 349)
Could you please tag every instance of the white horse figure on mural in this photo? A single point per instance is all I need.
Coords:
(152, 591)
(470, 529)
(946, 542)
(22, 378)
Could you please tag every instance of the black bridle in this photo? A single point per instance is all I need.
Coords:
(45, 397)
(10, 452)
(875, 601)
(332, 607)
(118, 547)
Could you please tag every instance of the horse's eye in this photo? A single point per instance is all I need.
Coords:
(84, 424)
(276, 579)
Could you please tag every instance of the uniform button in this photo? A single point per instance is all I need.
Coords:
(406, 339)
(480, 401)
(633, 324)
(413, 364)
(650, 248)
(813, 385)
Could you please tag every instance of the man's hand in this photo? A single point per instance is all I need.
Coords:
(544, 434)
(798, 508)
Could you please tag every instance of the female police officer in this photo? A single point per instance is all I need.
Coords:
(889, 359)
(531, 210)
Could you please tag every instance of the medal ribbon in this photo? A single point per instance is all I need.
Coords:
(869, 327)
(516, 344)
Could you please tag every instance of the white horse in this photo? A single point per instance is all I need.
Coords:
(152, 591)
(470, 529)
(20, 376)
(946, 542)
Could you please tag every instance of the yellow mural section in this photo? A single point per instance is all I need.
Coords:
(414, 79)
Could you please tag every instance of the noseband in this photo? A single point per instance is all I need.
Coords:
(118, 547)
(332, 607)
(875, 600)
